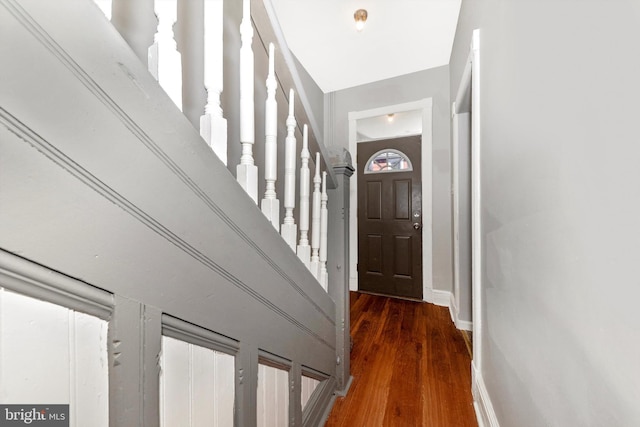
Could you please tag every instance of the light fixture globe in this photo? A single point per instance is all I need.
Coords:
(360, 16)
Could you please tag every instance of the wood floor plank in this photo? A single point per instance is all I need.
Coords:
(410, 366)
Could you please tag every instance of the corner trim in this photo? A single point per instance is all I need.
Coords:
(485, 414)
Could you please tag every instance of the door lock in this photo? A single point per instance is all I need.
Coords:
(417, 225)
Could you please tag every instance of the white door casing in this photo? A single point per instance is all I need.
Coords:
(425, 105)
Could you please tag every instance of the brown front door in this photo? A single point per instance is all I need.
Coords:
(390, 217)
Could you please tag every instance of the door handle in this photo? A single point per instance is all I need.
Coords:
(417, 226)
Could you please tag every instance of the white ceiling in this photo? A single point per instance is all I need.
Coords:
(400, 37)
(383, 127)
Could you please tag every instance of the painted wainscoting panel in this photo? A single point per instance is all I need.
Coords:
(50, 354)
(196, 385)
(273, 396)
(308, 387)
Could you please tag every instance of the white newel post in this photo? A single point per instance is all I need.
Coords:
(289, 229)
(304, 250)
(314, 265)
(324, 217)
(213, 127)
(247, 171)
(270, 203)
(164, 60)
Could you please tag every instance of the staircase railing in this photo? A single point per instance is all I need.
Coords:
(285, 308)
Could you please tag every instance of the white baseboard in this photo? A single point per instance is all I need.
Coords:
(482, 402)
(437, 297)
(464, 325)
(353, 284)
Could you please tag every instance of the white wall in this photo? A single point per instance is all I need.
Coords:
(560, 207)
(50, 354)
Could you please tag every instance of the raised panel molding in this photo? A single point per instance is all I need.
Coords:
(28, 278)
(155, 149)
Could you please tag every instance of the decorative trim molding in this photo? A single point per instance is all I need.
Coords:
(193, 334)
(52, 153)
(269, 359)
(28, 278)
(485, 414)
(94, 88)
(312, 373)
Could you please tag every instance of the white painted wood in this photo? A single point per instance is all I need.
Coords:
(164, 60)
(308, 385)
(314, 265)
(461, 170)
(175, 391)
(203, 385)
(224, 391)
(273, 396)
(247, 171)
(304, 249)
(476, 232)
(324, 222)
(197, 385)
(261, 405)
(289, 228)
(90, 371)
(456, 208)
(282, 399)
(105, 7)
(485, 414)
(213, 126)
(50, 354)
(270, 203)
(464, 325)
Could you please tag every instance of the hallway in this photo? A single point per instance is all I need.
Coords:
(410, 367)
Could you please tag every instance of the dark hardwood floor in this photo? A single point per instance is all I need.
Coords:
(410, 367)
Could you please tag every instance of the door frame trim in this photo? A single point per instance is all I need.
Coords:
(468, 100)
(426, 106)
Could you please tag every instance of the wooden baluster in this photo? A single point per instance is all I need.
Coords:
(164, 59)
(247, 171)
(304, 250)
(213, 127)
(315, 222)
(289, 229)
(270, 204)
(324, 217)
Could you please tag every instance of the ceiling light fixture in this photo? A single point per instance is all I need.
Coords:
(390, 117)
(361, 17)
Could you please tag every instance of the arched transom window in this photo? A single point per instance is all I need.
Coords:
(388, 160)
